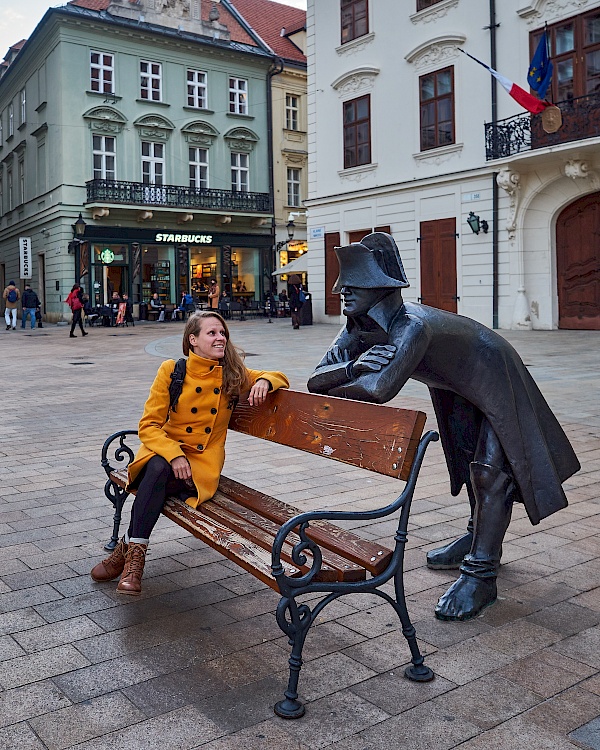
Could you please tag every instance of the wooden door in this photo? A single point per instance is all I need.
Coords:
(438, 264)
(332, 270)
(578, 264)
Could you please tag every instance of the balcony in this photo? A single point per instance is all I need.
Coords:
(515, 135)
(176, 197)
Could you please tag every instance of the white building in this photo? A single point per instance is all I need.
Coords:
(398, 140)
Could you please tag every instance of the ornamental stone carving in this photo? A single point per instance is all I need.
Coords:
(359, 79)
(241, 139)
(510, 182)
(436, 52)
(576, 168)
(155, 127)
(355, 46)
(549, 10)
(199, 133)
(105, 120)
(434, 13)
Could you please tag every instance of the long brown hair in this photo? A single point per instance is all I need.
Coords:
(235, 378)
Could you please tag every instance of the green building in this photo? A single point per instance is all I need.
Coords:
(149, 121)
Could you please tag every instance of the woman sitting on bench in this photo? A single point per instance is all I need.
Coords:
(183, 445)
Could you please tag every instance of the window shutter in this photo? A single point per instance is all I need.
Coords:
(332, 268)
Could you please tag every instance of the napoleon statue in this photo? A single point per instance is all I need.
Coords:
(499, 436)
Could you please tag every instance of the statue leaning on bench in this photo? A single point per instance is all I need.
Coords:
(499, 436)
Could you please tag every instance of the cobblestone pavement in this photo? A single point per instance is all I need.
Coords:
(198, 660)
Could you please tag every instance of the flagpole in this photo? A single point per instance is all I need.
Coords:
(548, 54)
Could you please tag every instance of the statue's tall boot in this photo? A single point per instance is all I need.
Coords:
(451, 556)
(475, 589)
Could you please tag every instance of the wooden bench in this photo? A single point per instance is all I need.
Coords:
(298, 553)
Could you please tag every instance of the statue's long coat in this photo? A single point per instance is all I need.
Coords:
(470, 371)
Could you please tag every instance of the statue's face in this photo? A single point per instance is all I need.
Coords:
(359, 301)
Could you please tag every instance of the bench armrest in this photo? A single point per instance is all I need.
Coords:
(301, 522)
(122, 451)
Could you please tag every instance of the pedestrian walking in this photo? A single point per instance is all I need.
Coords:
(213, 294)
(297, 299)
(75, 302)
(11, 297)
(30, 302)
(183, 441)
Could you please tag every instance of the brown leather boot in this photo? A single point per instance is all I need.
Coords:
(131, 579)
(112, 567)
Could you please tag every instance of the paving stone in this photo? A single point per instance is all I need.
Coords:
(385, 651)
(267, 735)
(425, 727)
(565, 712)
(516, 734)
(57, 634)
(23, 703)
(70, 726)
(30, 597)
(546, 672)
(466, 661)
(565, 618)
(394, 693)
(588, 734)
(20, 736)
(517, 639)
(73, 606)
(39, 666)
(21, 619)
(30, 578)
(583, 647)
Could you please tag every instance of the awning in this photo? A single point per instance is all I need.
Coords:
(300, 265)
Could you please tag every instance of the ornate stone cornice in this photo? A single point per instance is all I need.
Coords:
(359, 79)
(241, 139)
(436, 51)
(154, 126)
(437, 156)
(357, 174)
(199, 133)
(434, 13)
(356, 45)
(548, 10)
(105, 119)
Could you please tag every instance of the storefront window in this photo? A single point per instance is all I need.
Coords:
(110, 272)
(158, 273)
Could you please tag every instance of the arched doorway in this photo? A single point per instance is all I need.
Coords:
(578, 264)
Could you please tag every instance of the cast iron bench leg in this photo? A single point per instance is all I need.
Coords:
(296, 628)
(117, 497)
(418, 672)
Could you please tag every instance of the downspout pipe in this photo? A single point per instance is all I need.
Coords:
(495, 190)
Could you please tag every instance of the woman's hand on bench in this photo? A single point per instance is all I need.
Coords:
(258, 392)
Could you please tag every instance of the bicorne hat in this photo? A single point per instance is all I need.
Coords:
(372, 263)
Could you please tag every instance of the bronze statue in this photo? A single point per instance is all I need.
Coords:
(499, 436)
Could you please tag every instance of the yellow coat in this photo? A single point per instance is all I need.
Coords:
(197, 430)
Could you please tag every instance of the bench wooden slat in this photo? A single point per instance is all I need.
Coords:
(346, 570)
(369, 555)
(229, 543)
(378, 438)
(348, 546)
(255, 534)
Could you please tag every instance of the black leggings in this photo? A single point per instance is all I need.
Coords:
(157, 481)
(76, 320)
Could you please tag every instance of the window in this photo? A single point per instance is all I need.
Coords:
(355, 19)
(104, 157)
(23, 110)
(196, 89)
(198, 167)
(436, 99)
(1, 131)
(239, 172)
(153, 163)
(238, 96)
(9, 188)
(102, 72)
(357, 132)
(150, 81)
(293, 187)
(422, 4)
(574, 47)
(21, 173)
(1, 197)
(11, 120)
(291, 111)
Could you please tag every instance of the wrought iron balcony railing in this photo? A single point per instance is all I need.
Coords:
(176, 196)
(514, 135)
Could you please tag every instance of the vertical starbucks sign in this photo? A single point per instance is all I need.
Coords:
(25, 256)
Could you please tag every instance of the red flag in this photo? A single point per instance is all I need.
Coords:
(527, 101)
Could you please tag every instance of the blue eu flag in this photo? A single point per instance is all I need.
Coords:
(540, 70)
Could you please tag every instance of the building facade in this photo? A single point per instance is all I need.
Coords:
(153, 126)
(409, 135)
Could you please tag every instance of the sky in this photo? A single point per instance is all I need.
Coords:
(18, 18)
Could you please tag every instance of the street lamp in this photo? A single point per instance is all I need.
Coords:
(290, 226)
(75, 245)
(477, 224)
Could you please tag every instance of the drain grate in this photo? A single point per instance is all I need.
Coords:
(122, 334)
(81, 363)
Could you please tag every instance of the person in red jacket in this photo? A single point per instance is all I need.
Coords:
(75, 302)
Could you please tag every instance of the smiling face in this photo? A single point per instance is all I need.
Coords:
(211, 339)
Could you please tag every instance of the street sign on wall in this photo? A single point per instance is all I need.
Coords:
(25, 257)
